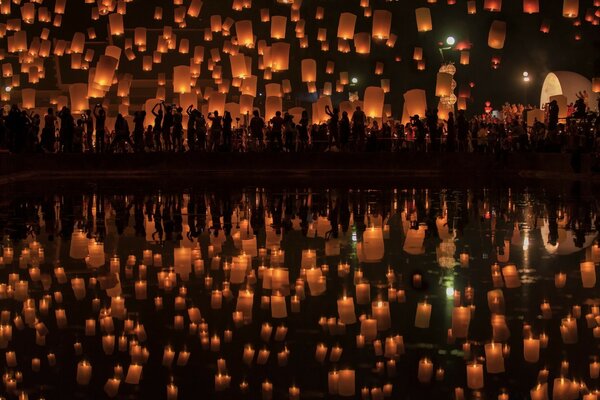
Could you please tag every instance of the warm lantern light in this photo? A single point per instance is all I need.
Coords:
(346, 26)
(497, 35)
(382, 24)
(423, 15)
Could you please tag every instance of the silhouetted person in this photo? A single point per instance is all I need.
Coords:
(48, 132)
(100, 115)
(227, 131)
(67, 125)
(157, 111)
(257, 126)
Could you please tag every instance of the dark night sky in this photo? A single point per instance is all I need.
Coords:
(526, 48)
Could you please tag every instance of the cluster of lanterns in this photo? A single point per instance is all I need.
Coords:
(254, 59)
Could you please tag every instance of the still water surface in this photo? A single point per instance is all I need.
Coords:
(451, 249)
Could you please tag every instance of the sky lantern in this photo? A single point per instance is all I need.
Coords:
(443, 85)
(249, 85)
(216, 102)
(464, 57)
(59, 6)
(415, 102)
(374, 100)
(379, 68)
(492, 5)
(418, 53)
(116, 24)
(216, 24)
(264, 15)
(28, 13)
(382, 24)
(139, 37)
(272, 105)
(194, 8)
(244, 33)
(272, 90)
(238, 66)
(280, 56)
(309, 70)
(28, 98)
(246, 104)
(570, 8)
(596, 85)
(78, 97)
(346, 26)
(471, 7)
(531, 6)
(423, 15)
(105, 70)
(319, 13)
(278, 26)
(497, 35)
(362, 43)
(181, 79)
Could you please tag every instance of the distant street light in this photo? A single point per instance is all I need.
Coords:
(450, 40)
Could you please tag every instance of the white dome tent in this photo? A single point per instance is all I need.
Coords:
(564, 83)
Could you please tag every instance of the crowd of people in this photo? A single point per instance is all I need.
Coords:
(22, 131)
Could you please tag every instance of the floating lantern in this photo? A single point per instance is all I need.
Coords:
(570, 8)
(28, 97)
(531, 6)
(423, 15)
(382, 24)
(346, 26)
(362, 43)
(492, 5)
(497, 35)
(309, 70)
(278, 27)
(443, 85)
(244, 33)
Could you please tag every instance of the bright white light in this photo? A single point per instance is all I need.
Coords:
(525, 74)
(8, 88)
(449, 292)
(450, 40)
(354, 80)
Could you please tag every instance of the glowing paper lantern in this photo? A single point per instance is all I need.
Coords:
(471, 7)
(497, 35)
(423, 15)
(272, 105)
(596, 85)
(194, 8)
(570, 8)
(216, 24)
(116, 24)
(216, 102)
(278, 26)
(280, 56)
(244, 33)
(464, 57)
(443, 85)
(531, 6)
(246, 104)
(105, 71)
(362, 43)
(382, 24)
(415, 102)
(492, 5)
(181, 79)
(346, 26)
(309, 70)
(238, 66)
(28, 97)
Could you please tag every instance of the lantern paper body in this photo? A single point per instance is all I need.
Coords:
(346, 26)
(28, 96)
(382, 24)
(415, 103)
(217, 103)
(272, 105)
(531, 6)
(181, 79)
(374, 101)
(423, 15)
(309, 70)
(570, 8)
(497, 35)
(443, 85)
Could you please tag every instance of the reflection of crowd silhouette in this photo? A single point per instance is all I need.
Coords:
(164, 218)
